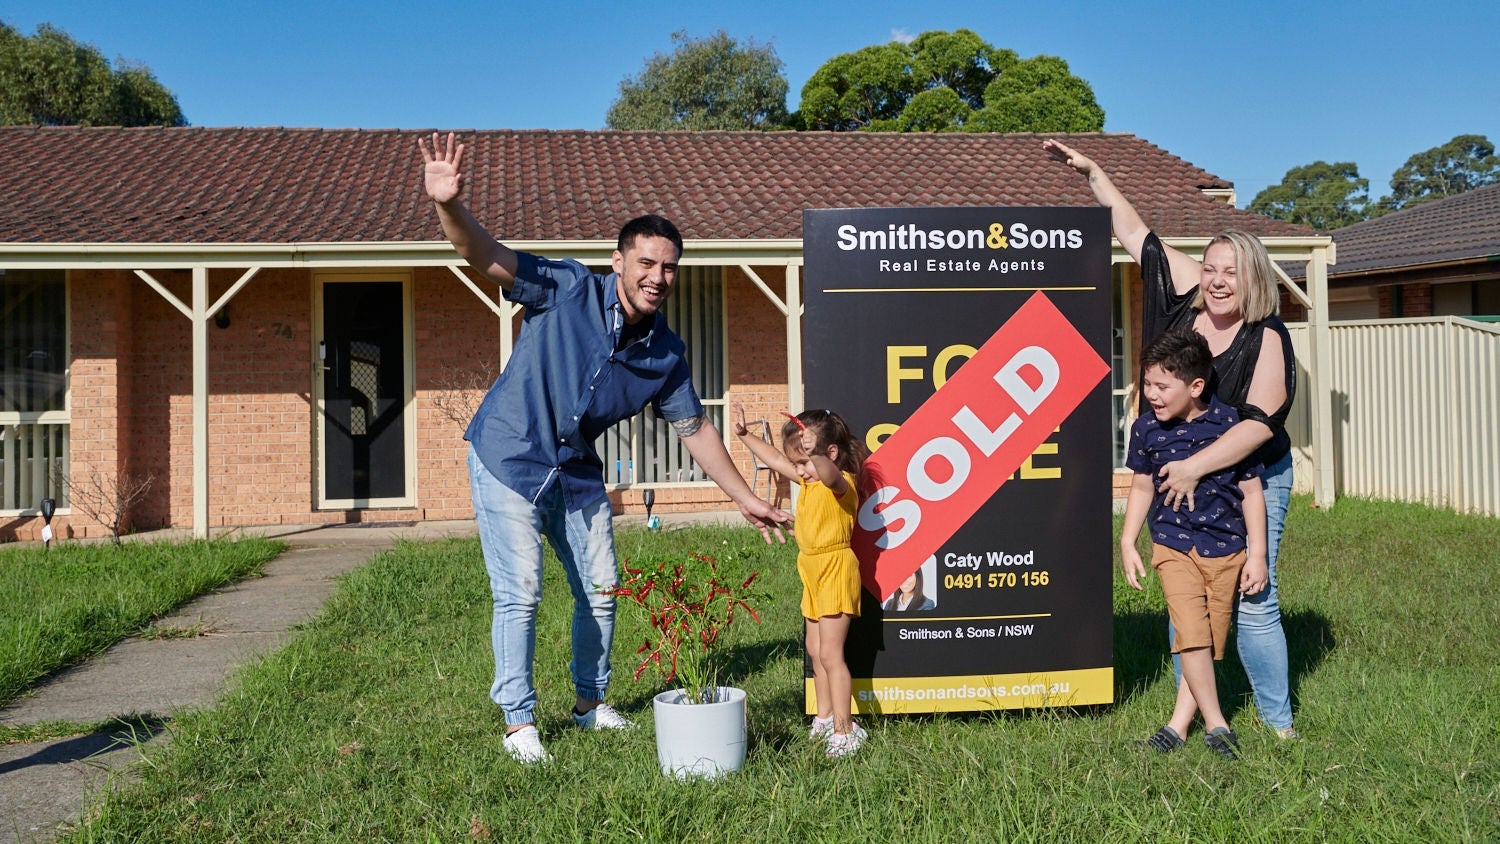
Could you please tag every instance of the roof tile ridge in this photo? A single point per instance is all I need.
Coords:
(305, 130)
(1175, 157)
(800, 133)
(608, 131)
(541, 131)
(1425, 209)
(78, 129)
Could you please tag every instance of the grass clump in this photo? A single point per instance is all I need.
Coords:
(67, 603)
(374, 724)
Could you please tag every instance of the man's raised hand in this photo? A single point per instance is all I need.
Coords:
(440, 174)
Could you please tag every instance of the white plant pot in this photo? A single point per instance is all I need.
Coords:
(704, 740)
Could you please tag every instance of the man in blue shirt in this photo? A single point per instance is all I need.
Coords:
(595, 351)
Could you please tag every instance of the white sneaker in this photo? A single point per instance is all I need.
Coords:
(822, 728)
(602, 717)
(845, 744)
(525, 746)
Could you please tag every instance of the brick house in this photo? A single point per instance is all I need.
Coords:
(269, 325)
(1441, 258)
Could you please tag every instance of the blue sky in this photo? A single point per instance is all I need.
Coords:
(1244, 90)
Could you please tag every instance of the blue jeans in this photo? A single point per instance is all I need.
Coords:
(510, 532)
(1257, 621)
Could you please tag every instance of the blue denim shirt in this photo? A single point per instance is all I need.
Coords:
(566, 384)
(1215, 527)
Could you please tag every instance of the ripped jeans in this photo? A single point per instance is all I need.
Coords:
(510, 532)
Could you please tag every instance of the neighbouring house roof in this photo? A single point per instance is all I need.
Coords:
(78, 185)
(1458, 228)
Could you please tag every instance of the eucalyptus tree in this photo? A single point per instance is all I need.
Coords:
(48, 79)
(704, 83)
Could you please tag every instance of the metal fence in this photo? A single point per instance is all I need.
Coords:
(1416, 411)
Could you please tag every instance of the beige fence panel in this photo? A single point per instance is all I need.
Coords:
(1476, 418)
(1416, 412)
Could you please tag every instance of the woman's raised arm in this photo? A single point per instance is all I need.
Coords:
(1128, 226)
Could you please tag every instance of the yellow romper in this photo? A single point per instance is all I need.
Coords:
(829, 569)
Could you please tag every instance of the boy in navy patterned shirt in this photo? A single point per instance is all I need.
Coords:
(1202, 556)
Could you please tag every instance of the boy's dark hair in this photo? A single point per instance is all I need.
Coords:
(1182, 352)
(649, 225)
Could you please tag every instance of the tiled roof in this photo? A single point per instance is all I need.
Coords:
(1452, 229)
(273, 185)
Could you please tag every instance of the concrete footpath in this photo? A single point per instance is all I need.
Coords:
(45, 785)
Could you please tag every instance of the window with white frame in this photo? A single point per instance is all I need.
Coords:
(643, 449)
(34, 416)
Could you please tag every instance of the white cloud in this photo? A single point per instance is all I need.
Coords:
(902, 35)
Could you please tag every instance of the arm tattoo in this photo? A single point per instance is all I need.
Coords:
(689, 427)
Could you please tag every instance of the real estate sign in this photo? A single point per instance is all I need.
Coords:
(968, 346)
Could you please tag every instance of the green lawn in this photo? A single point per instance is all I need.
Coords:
(67, 603)
(374, 724)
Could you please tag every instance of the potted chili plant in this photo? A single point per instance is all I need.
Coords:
(700, 726)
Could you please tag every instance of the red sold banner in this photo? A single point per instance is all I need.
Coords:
(946, 460)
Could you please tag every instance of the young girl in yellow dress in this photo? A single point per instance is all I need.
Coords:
(823, 457)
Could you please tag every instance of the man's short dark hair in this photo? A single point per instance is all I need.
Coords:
(649, 225)
(1182, 352)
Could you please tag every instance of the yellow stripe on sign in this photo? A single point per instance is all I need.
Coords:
(904, 695)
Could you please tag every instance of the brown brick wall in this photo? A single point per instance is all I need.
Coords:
(1416, 300)
(130, 343)
(260, 417)
(1292, 309)
(98, 449)
(757, 362)
(132, 395)
(457, 357)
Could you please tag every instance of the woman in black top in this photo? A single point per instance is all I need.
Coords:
(1229, 297)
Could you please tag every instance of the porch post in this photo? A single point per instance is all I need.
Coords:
(1321, 377)
(200, 402)
(794, 388)
(507, 332)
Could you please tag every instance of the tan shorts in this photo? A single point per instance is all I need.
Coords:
(1200, 596)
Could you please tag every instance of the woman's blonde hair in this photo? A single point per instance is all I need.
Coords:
(1256, 282)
